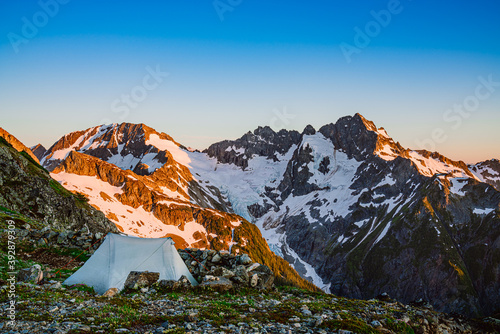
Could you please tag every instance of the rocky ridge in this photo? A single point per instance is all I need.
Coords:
(262, 142)
(29, 195)
(16, 144)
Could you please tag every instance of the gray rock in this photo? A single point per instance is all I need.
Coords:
(140, 279)
(182, 282)
(221, 271)
(110, 292)
(56, 286)
(253, 266)
(241, 275)
(219, 284)
(266, 277)
(216, 258)
(168, 283)
(254, 280)
(34, 274)
(245, 259)
(305, 312)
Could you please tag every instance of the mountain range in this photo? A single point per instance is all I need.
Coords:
(349, 208)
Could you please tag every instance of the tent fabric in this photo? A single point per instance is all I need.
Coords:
(118, 255)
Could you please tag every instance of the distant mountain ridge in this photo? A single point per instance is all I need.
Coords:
(141, 180)
(346, 205)
(343, 197)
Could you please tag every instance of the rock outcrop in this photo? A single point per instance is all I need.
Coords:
(28, 195)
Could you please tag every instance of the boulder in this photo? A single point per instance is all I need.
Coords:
(221, 271)
(168, 283)
(110, 293)
(218, 283)
(33, 274)
(245, 259)
(216, 258)
(384, 297)
(254, 280)
(253, 266)
(141, 279)
(183, 282)
(240, 275)
(265, 275)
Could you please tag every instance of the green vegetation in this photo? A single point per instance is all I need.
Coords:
(19, 219)
(400, 327)
(5, 142)
(58, 188)
(30, 159)
(81, 198)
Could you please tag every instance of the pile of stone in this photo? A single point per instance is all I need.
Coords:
(223, 271)
(216, 270)
(83, 238)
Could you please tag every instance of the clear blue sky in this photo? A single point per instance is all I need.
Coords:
(235, 67)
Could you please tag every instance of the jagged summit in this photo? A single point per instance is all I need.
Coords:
(264, 142)
(38, 150)
(129, 146)
(309, 130)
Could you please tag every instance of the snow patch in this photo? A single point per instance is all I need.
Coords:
(485, 211)
(178, 154)
(457, 185)
(387, 153)
(134, 221)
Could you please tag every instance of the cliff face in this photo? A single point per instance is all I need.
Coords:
(29, 195)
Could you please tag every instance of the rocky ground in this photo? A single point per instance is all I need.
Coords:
(52, 308)
(235, 307)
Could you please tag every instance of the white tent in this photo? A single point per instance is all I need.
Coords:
(118, 255)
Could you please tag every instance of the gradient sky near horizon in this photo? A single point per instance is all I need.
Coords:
(234, 65)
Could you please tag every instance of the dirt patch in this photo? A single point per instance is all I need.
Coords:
(43, 256)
